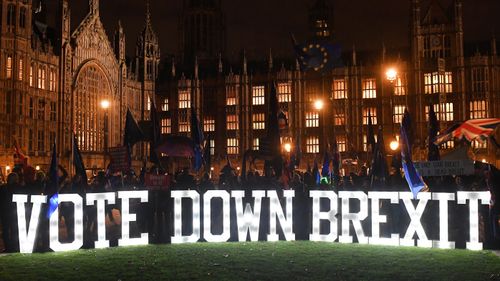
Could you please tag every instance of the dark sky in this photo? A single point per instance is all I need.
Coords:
(258, 25)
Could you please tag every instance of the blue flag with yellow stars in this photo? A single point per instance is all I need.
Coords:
(318, 56)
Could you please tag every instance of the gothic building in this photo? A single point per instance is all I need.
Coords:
(53, 80)
(437, 69)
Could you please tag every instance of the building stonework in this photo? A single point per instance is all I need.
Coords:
(54, 79)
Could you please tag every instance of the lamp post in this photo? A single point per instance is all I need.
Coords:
(105, 106)
(319, 105)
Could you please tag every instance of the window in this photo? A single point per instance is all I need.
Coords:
(52, 138)
(20, 72)
(148, 104)
(312, 119)
(339, 119)
(398, 113)
(312, 145)
(444, 112)
(370, 111)
(480, 81)
(41, 110)
(448, 145)
(285, 92)
(232, 122)
(212, 147)
(11, 15)
(166, 126)
(477, 144)
(259, 121)
(20, 105)
(164, 105)
(258, 95)
(399, 87)
(231, 95)
(369, 88)
(41, 141)
(184, 99)
(22, 17)
(255, 144)
(41, 77)
(438, 83)
(478, 109)
(339, 89)
(31, 75)
(365, 142)
(232, 146)
(53, 111)
(184, 125)
(52, 80)
(209, 125)
(341, 143)
(9, 67)
(31, 107)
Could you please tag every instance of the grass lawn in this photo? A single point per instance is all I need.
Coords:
(254, 261)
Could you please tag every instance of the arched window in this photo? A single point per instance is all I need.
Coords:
(22, 18)
(11, 15)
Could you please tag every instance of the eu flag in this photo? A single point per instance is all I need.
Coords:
(53, 186)
(318, 56)
(415, 181)
(78, 162)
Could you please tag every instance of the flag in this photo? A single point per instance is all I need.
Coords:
(315, 172)
(379, 163)
(318, 56)
(197, 137)
(415, 181)
(325, 171)
(273, 132)
(469, 130)
(53, 185)
(282, 121)
(155, 134)
(19, 157)
(78, 162)
(207, 156)
(433, 154)
(370, 138)
(133, 134)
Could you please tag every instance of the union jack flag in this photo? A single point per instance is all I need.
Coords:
(470, 130)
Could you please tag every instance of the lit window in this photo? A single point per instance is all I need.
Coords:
(339, 119)
(184, 99)
(285, 92)
(255, 144)
(447, 111)
(341, 143)
(232, 122)
(184, 125)
(232, 146)
(477, 144)
(231, 95)
(258, 95)
(166, 126)
(399, 87)
(478, 109)
(209, 125)
(398, 113)
(339, 89)
(212, 147)
(164, 105)
(52, 80)
(259, 121)
(370, 111)
(20, 73)
(438, 83)
(448, 82)
(148, 104)
(312, 145)
(9, 67)
(312, 119)
(369, 88)
(31, 75)
(365, 142)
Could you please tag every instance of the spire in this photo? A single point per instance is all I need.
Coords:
(354, 59)
(196, 67)
(270, 59)
(220, 63)
(148, 13)
(493, 45)
(94, 7)
(173, 67)
(245, 71)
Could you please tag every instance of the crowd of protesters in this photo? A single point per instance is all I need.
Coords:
(155, 216)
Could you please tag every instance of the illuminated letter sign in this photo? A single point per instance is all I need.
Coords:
(195, 196)
(318, 216)
(57, 246)
(27, 240)
(248, 221)
(356, 218)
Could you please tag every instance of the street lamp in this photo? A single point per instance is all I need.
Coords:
(105, 105)
(319, 104)
(394, 145)
(288, 147)
(391, 75)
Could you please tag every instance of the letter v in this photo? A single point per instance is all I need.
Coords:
(27, 238)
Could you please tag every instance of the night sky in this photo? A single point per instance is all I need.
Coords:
(258, 25)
